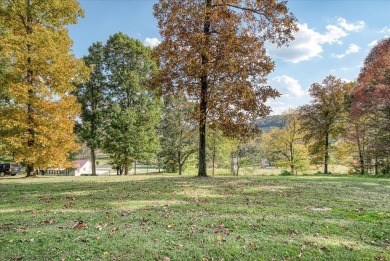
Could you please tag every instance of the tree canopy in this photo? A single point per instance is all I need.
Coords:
(38, 117)
(92, 97)
(322, 119)
(133, 111)
(214, 51)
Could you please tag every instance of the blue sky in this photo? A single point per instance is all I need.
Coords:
(334, 38)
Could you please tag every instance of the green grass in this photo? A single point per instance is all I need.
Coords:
(151, 217)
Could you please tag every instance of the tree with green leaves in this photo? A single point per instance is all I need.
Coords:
(92, 97)
(286, 144)
(178, 132)
(133, 111)
(322, 119)
(214, 51)
(219, 149)
(38, 116)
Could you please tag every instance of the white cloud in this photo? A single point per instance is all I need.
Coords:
(373, 43)
(305, 46)
(278, 107)
(385, 30)
(353, 48)
(151, 42)
(289, 87)
(308, 42)
(350, 27)
(333, 35)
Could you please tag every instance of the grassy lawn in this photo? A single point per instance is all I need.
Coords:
(165, 217)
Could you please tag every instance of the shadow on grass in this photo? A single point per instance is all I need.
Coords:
(190, 218)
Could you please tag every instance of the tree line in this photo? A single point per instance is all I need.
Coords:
(192, 99)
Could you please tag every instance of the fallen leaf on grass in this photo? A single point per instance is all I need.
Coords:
(49, 221)
(292, 232)
(126, 213)
(301, 251)
(350, 248)
(80, 225)
(114, 229)
(69, 205)
(71, 198)
(23, 230)
(100, 227)
(82, 239)
(17, 259)
(46, 199)
(253, 246)
(325, 249)
(171, 225)
(164, 259)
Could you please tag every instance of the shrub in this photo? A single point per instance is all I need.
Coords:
(285, 173)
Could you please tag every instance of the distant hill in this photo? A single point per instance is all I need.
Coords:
(268, 122)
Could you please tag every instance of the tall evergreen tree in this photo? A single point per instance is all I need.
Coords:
(38, 118)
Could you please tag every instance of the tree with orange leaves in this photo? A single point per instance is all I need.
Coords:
(214, 51)
(371, 108)
(37, 108)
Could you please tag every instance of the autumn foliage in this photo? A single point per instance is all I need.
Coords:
(37, 108)
(371, 110)
(214, 51)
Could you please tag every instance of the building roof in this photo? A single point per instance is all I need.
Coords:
(80, 163)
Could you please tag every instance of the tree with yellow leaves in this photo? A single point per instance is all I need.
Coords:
(38, 110)
(214, 51)
(285, 145)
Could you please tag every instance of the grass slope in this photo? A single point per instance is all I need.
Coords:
(189, 218)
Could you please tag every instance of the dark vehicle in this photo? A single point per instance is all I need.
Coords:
(9, 169)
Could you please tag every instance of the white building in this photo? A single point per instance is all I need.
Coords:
(83, 166)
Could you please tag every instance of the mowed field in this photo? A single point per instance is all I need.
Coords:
(166, 217)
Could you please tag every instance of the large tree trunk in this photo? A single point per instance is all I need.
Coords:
(180, 168)
(93, 161)
(214, 160)
(180, 161)
(361, 158)
(326, 160)
(30, 109)
(292, 165)
(203, 98)
(30, 130)
(126, 168)
(214, 152)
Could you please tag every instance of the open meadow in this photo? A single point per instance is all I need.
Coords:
(166, 217)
